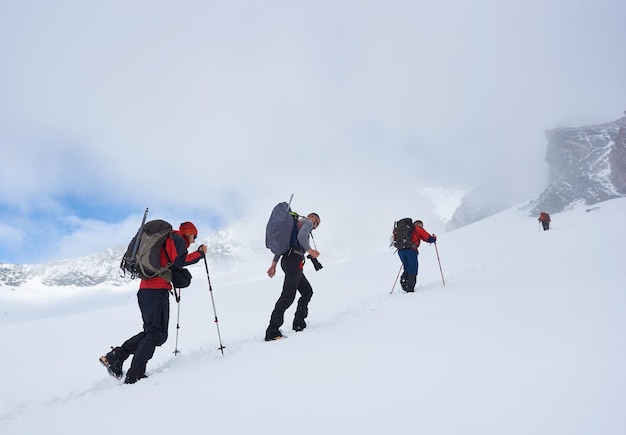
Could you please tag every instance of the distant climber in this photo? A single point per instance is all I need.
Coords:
(544, 218)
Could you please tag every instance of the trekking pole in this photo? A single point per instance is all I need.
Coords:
(177, 296)
(439, 261)
(206, 266)
(394, 283)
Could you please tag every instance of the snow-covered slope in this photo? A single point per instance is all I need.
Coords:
(527, 336)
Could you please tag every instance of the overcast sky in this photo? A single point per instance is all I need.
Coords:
(214, 111)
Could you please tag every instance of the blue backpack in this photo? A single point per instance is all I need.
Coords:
(281, 232)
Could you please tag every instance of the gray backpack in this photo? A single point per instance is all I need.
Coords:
(281, 232)
(143, 255)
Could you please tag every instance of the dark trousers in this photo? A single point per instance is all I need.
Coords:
(294, 281)
(155, 312)
(546, 225)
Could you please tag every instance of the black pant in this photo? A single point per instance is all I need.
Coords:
(155, 312)
(294, 281)
(546, 225)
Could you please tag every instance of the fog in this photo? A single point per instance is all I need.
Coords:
(213, 112)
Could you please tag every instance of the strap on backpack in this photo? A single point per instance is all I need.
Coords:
(176, 291)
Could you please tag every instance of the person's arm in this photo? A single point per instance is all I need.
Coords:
(425, 236)
(195, 256)
(272, 270)
(303, 238)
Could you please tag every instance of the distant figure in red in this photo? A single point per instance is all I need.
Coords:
(544, 218)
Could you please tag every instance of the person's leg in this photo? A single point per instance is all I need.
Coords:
(410, 283)
(130, 345)
(114, 361)
(402, 254)
(302, 311)
(155, 310)
(292, 266)
(411, 270)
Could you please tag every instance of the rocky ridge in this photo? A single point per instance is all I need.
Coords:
(585, 164)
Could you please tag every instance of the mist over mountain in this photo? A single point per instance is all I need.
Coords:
(585, 164)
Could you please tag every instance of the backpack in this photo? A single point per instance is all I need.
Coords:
(281, 232)
(143, 255)
(402, 234)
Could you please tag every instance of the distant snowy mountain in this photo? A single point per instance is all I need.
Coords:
(225, 247)
(586, 164)
(82, 272)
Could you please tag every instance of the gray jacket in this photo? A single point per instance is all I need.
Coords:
(305, 226)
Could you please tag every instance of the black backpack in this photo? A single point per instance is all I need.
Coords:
(143, 255)
(402, 234)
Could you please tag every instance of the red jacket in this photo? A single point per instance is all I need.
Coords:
(176, 247)
(543, 216)
(419, 234)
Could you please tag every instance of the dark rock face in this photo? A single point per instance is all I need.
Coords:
(617, 158)
(586, 164)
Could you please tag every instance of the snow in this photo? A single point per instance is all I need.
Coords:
(528, 336)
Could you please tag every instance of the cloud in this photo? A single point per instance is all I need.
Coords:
(213, 111)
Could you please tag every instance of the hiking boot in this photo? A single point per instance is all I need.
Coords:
(403, 280)
(114, 367)
(274, 337)
(410, 283)
(299, 325)
(133, 379)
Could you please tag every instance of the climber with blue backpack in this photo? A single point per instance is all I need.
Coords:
(287, 236)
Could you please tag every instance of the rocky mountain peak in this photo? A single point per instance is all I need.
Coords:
(586, 164)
